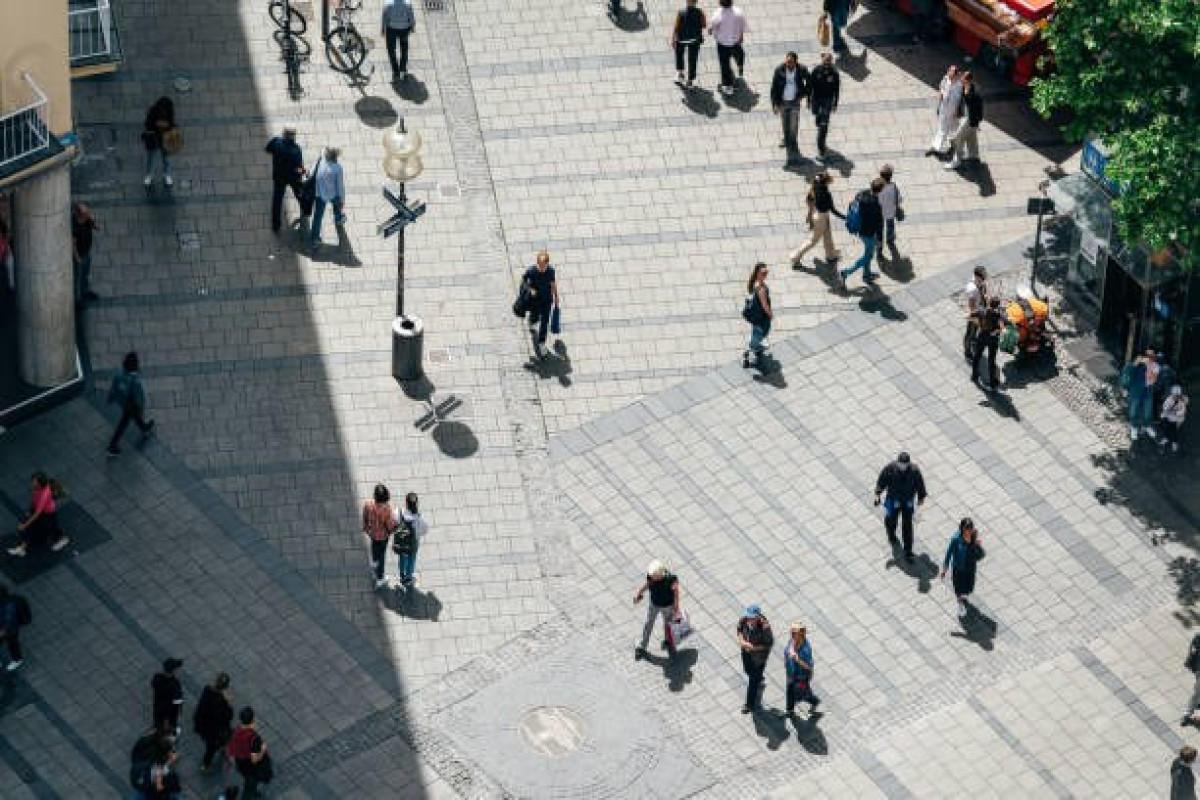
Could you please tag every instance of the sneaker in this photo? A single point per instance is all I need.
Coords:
(679, 79)
(19, 550)
(540, 350)
(60, 544)
(841, 281)
(1174, 447)
(962, 610)
(639, 653)
(146, 181)
(813, 708)
(401, 76)
(746, 709)
(837, 254)
(168, 181)
(870, 278)
(13, 665)
(954, 163)
(1132, 434)
(746, 360)
(689, 84)
(380, 583)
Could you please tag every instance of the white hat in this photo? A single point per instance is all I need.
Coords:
(655, 569)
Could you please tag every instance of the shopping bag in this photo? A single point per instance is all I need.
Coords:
(172, 141)
(680, 628)
(1008, 339)
(555, 324)
(823, 30)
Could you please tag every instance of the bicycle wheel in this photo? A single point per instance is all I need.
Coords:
(294, 21)
(345, 50)
(302, 47)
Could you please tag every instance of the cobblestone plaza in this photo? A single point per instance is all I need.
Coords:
(231, 538)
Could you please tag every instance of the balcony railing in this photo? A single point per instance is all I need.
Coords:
(24, 133)
(91, 36)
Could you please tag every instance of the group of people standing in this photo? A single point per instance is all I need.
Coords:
(1150, 384)
(959, 113)
(403, 528)
(324, 185)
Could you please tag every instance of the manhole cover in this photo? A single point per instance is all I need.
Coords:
(552, 731)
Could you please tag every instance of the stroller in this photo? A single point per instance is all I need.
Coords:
(1025, 333)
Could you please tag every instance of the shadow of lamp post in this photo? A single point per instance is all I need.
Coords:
(402, 162)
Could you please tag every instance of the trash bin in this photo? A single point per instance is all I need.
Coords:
(408, 337)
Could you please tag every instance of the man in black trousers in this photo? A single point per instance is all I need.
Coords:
(905, 488)
(287, 169)
(755, 640)
(826, 89)
(789, 89)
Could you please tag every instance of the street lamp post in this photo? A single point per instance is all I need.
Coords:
(1041, 206)
(402, 162)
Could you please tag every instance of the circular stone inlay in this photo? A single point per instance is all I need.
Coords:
(551, 731)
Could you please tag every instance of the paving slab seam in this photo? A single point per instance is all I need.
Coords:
(28, 775)
(1128, 697)
(1032, 761)
(881, 776)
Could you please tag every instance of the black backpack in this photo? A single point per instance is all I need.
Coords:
(24, 612)
(141, 759)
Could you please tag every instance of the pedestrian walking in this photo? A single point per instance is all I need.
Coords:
(864, 219)
(664, 602)
(126, 391)
(991, 325)
(83, 226)
(755, 639)
(378, 523)
(686, 37)
(1170, 421)
(949, 111)
(963, 554)
(904, 485)
(330, 189)
(287, 170)
(729, 28)
(789, 90)
(977, 295)
(146, 760)
(159, 119)
(820, 206)
(758, 312)
(409, 534)
(213, 719)
(250, 755)
(1183, 780)
(965, 145)
(1191, 715)
(168, 697)
(891, 204)
(825, 92)
(1140, 378)
(164, 778)
(14, 615)
(839, 17)
(543, 287)
(398, 23)
(798, 660)
(41, 525)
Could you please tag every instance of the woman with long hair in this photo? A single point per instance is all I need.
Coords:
(758, 313)
(41, 525)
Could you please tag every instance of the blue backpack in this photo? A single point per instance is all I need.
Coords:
(854, 216)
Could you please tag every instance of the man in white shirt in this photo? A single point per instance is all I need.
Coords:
(789, 89)
(977, 296)
(729, 27)
(398, 22)
(330, 188)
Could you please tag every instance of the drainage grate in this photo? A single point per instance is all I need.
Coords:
(435, 5)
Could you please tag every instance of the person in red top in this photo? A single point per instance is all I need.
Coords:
(249, 754)
(42, 523)
(378, 523)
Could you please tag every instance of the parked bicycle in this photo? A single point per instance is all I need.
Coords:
(293, 49)
(288, 18)
(344, 46)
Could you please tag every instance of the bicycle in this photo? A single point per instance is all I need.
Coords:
(287, 18)
(344, 46)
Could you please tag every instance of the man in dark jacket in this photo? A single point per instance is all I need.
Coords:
(168, 698)
(755, 640)
(686, 37)
(991, 325)
(287, 169)
(789, 89)
(826, 89)
(1183, 780)
(965, 145)
(127, 392)
(870, 223)
(905, 488)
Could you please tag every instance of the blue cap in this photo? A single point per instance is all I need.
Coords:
(753, 611)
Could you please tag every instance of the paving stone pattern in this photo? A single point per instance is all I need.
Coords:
(230, 538)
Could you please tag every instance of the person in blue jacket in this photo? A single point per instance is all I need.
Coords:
(799, 662)
(962, 555)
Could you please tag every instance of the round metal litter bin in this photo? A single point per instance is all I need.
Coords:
(408, 340)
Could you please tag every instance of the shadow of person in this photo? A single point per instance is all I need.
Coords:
(1000, 402)
(631, 21)
(677, 670)
(411, 602)
(743, 99)
(411, 88)
(770, 372)
(1021, 371)
(876, 301)
(376, 112)
(770, 724)
(922, 569)
(899, 268)
(809, 735)
(798, 164)
(834, 159)
(854, 65)
(980, 174)
(455, 439)
(701, 101)
(977, 627)
(556, 366)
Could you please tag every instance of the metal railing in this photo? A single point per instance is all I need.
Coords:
(27, 130)
(90, 33)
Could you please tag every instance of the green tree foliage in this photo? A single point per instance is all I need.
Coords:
(1127, 72)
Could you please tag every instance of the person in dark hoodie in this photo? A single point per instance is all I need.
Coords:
(904, 485)
(159, 119)
(825, 89)
(869, 221)
(168, 697)
(213, 719)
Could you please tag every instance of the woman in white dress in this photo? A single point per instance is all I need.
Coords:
(949, 110)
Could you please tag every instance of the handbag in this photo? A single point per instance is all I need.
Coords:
(680, 627)
(307, 196)
(899, 213)
(1008, 339)
(172, 141)
(823, 30)
(555, 322)
(524, 299)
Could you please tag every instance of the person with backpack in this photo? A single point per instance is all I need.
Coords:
(543, 299)
(757, 311)
(159, 119)
(904, 485)
(164, 779)
(41, 523)
(127, 392)
(149, 751)
(167, 697)
(287, 170)
(213, 718)
(14, 615)
(864, 219)
(790, 90)
(664, 602)
(409, 533)
(686, 37)
(250, 755)
(820, 206)
(991, 325)
(962, 555)
(798, 661)
(825, 90)
(378, 524)
(755, 639)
